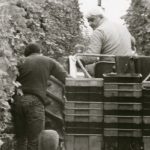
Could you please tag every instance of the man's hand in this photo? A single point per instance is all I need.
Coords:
(19, 92)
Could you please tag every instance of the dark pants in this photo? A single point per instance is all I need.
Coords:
(29, 121)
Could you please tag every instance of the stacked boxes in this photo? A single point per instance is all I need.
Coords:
(146, 116)
(146, 113)
(84, 89)
(83, 141)
(83, 117)
(83, 114)
(122, 111)
(122, 85)
(105, 115)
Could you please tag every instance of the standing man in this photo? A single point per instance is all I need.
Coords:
(29, 113)
(108, 37)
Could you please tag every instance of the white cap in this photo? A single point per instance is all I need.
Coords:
(95, 11)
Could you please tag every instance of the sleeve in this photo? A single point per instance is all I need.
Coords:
(58, 71)
(95, 46)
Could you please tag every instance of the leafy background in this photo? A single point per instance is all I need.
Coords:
(54, 24)
(138, 20)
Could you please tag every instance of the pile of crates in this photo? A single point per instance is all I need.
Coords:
(146, 120)
(83, 114)
(104, 113)
(122, 112)
(124, 85)
(146, 112)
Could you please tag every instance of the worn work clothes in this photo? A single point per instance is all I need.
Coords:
(109, 38)
(35, 72)
(29, 113)
(29, 119)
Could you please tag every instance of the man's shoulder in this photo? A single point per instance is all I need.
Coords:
(42, 57)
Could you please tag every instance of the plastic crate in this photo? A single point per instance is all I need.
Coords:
(146, 86)
(83, 127)
(55, 87)
(146, 120)
(146, 142)
(84, 82)
(122, 78)
(84, 89)
(146, 82)
(146, 94)
(122, 89)
(122, 93)
(146, 108)
(84, 130)
(125, 64)
(123, 119)
(146, 132)
(122, 132)
(77, 93)
(83, 142)
(103, 67)
(122, 106)
(146, 105)
(129, 86)
(83, 111)
(93, 97)
(123, 143)
(123, 125)
(123, 99)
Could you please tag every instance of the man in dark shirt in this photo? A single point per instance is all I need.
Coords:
(29, 113)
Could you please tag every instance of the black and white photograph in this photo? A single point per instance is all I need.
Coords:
(74, 74)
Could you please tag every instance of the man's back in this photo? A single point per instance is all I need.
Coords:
(110, 38)
(116, 39)
(35, 71)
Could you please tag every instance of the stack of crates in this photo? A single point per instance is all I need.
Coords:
(122, 112)
(122, 85)
(146, 120)
(146, 112)
(83, 114)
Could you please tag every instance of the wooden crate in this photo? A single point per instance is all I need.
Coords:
(83, 111)
(122, 132)
(122, 93)
(146, 131)
(123, 99)
(122, 78)
(84, 94)
(84, 82)
(83, 130)
(122, 106)
(83, 142)
(146, 94)
(55, 87)
(84, 127)
(146, 142)
(146, 108)
(146, 120)
(123, 119)
(122, 89)
(131, 86)
(123, 143)
(84, 89)
(146, 82)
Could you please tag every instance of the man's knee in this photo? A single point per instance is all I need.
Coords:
(48, 140)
